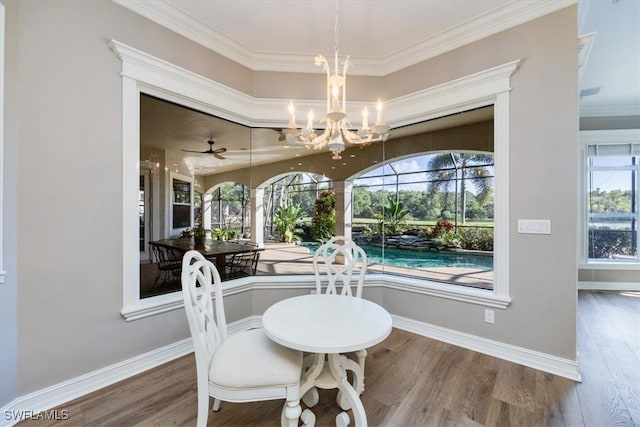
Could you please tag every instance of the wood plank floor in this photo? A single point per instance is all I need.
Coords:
(416, 381)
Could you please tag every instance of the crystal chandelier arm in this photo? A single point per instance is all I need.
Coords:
(349, 137)
(321, 140)
(321, 61)
(345, 67)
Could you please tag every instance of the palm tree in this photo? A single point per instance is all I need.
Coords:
(444, 170)
(393, 218)
(287, 221)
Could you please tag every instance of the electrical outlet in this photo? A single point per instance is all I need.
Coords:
(489, 316)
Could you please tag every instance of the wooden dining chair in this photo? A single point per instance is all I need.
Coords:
(244, 367)
(342, 264)
(243, 264)
(168, 263)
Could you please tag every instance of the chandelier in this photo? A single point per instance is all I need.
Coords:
(338, 131)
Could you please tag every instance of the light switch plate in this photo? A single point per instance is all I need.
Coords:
(534, 226)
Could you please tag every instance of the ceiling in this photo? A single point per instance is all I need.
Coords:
(610, 74)
(381, 37)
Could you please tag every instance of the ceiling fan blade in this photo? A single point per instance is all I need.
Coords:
(215, 152)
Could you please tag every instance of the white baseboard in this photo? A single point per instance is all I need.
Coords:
(609, 286)
(544, 362)
(58, 394)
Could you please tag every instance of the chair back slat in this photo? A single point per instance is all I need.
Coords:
(208, 331)
(344, 265)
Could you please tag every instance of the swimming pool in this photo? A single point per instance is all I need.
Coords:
(414, 259)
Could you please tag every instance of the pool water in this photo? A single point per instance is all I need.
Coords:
(414, 259)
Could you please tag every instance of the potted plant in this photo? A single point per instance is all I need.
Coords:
(198, 234)
(218, 233)
(234, 234)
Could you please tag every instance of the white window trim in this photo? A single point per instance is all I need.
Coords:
(175, 175)
(143, 73)
(587, 138)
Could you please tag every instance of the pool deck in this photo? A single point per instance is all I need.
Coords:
(283, 258)
(288, 259)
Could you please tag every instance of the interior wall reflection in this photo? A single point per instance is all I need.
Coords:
(196, 188)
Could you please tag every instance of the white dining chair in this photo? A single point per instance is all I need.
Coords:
(342, 264)
(243, 367)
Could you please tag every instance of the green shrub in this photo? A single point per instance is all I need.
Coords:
(476, 238)
(605, 243)
(323, 223)
(442, 227)
(287, 220)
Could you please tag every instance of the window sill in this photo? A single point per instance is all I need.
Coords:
(168, 302)
(609, 265)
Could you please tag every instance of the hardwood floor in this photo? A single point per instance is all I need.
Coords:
(416, 381)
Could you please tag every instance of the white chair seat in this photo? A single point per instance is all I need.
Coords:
(250, 359)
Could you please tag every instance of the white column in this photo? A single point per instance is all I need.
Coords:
(343, 190)
(257, 216)
(206, 210)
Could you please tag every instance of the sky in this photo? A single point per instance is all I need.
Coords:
(414, 164)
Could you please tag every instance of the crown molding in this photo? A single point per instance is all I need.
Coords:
(480, 27)
(492, 22)
(471, 91)
(176, 20)
(585, 43)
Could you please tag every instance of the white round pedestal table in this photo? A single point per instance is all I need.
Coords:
(328, 325)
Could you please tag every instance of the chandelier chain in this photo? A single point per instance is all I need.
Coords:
(335, 29)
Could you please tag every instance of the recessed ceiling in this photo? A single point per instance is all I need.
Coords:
(382, 37)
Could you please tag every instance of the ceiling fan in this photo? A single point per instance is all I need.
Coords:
(215, 152)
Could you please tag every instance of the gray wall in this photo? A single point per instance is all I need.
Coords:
(69, 176)
(8, 290)
(69, 173)
(543, 183)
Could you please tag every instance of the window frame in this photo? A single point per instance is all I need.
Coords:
(599, 137)
(175, 176)
(396, 178)
(143, 73)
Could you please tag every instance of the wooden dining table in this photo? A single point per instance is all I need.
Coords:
(218, 249)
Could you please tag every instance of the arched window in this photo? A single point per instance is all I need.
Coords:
(429, 216)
